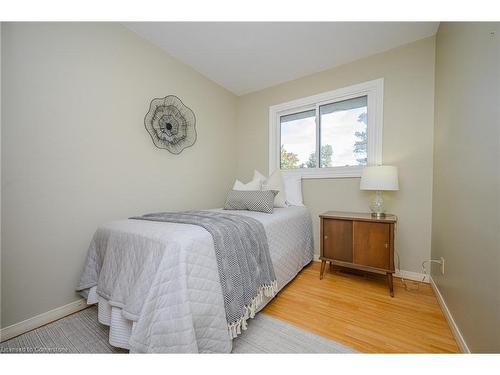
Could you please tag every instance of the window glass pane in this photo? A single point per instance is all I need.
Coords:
(298, 140)
(343, 135)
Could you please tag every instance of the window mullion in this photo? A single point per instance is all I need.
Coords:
(318, 138)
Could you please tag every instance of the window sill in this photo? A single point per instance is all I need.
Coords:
(336, 172)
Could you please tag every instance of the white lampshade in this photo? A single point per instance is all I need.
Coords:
(380, 177)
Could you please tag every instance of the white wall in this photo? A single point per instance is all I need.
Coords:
(466, 204)
(408, 73)
(75, 152)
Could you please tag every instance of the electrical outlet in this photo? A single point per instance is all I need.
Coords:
(442, 265)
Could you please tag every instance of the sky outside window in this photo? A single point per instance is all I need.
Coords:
(344, 127)
(298, 139)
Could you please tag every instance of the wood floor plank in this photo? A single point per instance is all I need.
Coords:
(357, 311)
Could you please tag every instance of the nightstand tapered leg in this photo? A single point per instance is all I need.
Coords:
(321, 273)
(389, 283)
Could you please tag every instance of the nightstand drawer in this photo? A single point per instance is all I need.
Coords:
(371, 244)
(337, 240)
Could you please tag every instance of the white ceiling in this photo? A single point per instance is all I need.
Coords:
(249, 56)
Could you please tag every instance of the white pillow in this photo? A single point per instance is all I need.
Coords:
(273, 182)
(293, 189)
(259, 176)
(252, 185)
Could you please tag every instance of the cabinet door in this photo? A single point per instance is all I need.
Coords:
(371, 244)
(337, 239)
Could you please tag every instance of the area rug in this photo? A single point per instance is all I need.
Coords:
(82, 333)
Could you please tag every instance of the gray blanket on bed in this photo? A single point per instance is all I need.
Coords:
(245, 269)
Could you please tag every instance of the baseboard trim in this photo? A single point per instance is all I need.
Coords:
(451, 322)
(37, 321)
(408, 275)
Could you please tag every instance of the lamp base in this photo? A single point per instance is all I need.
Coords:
(377, 206)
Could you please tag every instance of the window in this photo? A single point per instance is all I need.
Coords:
(333, 134)
(343, 136)
(298, 139)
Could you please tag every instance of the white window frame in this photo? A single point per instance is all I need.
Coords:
(374, 90)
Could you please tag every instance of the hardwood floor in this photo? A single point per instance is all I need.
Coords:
(357, 311)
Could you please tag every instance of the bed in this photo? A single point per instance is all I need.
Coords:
(167, 297)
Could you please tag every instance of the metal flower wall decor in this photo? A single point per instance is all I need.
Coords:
(171, 124)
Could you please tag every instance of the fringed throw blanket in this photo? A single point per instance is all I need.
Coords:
(245, 269)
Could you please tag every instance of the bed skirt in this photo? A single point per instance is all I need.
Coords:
(120, 328)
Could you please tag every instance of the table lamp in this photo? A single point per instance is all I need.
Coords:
(379, 178)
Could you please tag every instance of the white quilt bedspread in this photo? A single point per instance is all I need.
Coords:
(163, 277)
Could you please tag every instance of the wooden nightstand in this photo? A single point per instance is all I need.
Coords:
(359, 241)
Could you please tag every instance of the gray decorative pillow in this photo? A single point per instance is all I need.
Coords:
(251, 200)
